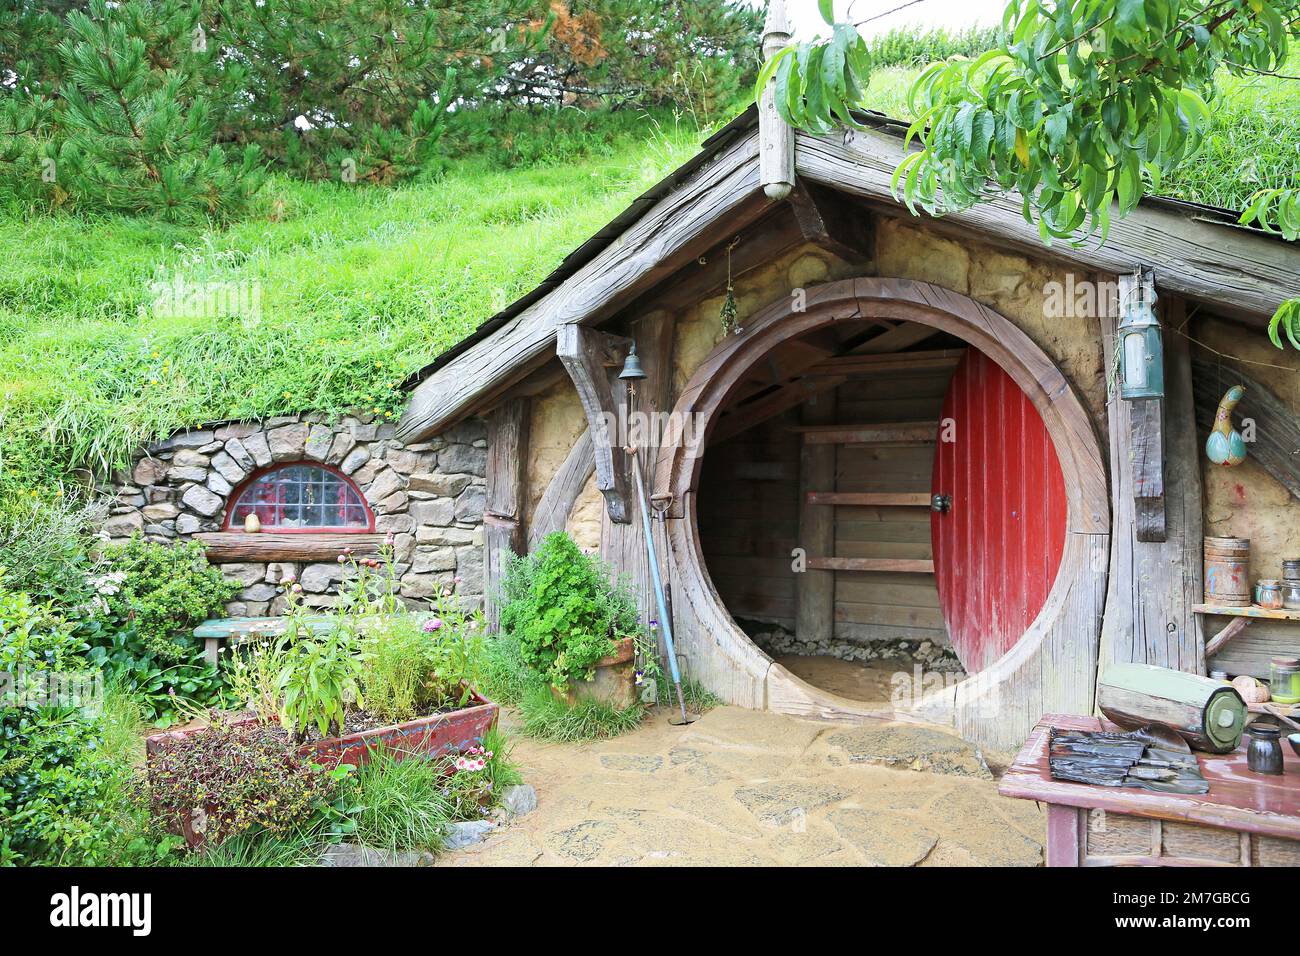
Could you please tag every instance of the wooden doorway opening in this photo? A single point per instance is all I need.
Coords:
(783, 365)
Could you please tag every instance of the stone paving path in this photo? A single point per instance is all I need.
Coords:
(741, 787)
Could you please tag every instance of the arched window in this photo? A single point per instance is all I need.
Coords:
(301, 497)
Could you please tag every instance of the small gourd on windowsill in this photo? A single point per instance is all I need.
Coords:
(1225, 446)
(252, 523)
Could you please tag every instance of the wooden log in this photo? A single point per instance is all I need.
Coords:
(716, 200)
(589, 356)
(1236, 270)
(229, 547)
(506, 479)
(552, 512)
(1208, 714)
(815, 587)
(870, 498)
(776, 138)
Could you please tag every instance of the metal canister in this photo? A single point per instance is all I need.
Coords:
(1227, 572)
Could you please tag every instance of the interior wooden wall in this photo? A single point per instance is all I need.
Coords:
(749, 515)
(749, 519)
(876, 605)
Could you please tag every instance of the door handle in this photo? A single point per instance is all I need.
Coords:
(941, 503)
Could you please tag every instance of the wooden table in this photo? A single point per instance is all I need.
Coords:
(1245, 820)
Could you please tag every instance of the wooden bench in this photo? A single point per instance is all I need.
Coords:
(236, 630)
(1246, 819)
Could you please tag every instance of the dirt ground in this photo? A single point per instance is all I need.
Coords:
(868, 681)
(741, 787)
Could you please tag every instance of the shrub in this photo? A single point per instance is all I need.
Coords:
(60, 793)
(245, 779)
(65, 772)
(563, 611)
(161, 592)
(43, 545)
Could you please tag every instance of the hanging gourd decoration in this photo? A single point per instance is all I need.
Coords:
(1225, 446)
(728, 312)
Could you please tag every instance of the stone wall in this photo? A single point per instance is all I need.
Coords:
(430, 495)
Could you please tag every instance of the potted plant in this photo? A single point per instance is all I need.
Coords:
(574, 626)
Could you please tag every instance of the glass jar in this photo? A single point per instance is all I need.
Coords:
(1291, 595)
(1264, 752)
(1284, 680)
(1268, 594)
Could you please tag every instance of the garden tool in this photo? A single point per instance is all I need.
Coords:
(664, 621)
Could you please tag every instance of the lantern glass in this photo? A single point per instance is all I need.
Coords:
(1135, 360)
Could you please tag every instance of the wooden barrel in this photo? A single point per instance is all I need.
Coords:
(1207, 714)
(1227, 572)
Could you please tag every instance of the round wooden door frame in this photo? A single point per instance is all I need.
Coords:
(760, 682)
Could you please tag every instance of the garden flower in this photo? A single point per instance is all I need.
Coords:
(343, 559)
(432, 624)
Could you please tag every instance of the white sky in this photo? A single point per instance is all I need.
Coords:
(808, 22)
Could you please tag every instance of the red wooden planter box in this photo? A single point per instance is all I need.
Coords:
(453, 732)
(449, 733)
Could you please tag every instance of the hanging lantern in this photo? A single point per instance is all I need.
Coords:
(1141, 355)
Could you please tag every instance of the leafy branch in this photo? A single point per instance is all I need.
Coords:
(1083, 108)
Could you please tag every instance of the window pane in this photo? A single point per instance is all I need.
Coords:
(302, 496)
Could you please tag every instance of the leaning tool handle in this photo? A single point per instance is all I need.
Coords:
(653, 561)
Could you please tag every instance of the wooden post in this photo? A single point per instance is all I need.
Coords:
(1153, 585)
(623, 545)
(775, 137)
(815, 589)
(507, 458)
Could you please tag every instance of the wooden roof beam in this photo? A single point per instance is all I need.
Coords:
(718, 200)
(1207, 262)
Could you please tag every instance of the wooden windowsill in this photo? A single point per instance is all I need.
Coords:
(227, 547)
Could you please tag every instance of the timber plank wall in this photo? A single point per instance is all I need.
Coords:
(749, 515)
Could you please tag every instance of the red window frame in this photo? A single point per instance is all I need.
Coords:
(233, 501)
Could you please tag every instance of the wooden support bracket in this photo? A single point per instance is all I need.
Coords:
(827, 220)
(589, 356)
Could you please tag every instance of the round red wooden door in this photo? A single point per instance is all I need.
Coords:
(999, 536)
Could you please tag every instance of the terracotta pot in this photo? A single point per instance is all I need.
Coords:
(614, 681)
(449, 733)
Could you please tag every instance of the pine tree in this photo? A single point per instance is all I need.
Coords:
(139, 128)
(128, 127)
